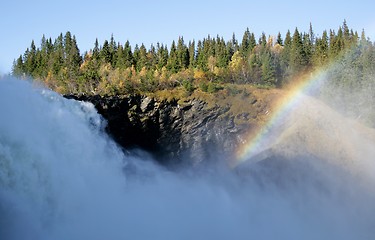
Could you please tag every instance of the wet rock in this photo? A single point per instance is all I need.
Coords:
(190, 134)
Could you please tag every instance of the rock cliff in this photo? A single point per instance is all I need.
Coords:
(192, 131)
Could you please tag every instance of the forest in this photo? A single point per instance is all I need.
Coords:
(207, 65)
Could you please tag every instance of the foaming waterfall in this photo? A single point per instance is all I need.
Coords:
(55, 161)
(62, 177)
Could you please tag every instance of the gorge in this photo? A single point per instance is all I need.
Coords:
(62, 176)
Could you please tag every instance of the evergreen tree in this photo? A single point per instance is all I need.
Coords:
(136, 57)
(30, 59)
(152, 58)
(113, 51)
(222, 54)
(173, 65)
(105, 53)
(73, 58)
(279, 39)
(162, 56)
(57, 58)
(268, 70)
(96, 50)
(285, 56)
(120, 57)
(201, 57)
(230, 49)
(311, 35)
(18, 67)
(252, 42)
(192, 54)
(263, 39)
(255, 71)
(245, 44)
(297, 54)
(320, 57)
(234, 44)
(307, 49)
(142, 61)
(128, 55)
(182, 54)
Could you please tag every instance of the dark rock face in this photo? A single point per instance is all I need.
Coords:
(189, 134)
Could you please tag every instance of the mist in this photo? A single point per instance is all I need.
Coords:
(63, 177)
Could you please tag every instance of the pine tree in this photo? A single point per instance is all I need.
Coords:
(279, 39)
(201, 57)
(162, 56)
(320, 56)
(307, 49)
(18, 67)
(263, 40)
(172, 64)
(347, 36)
(152, 57)
(182, 54)
(234, 43)
(255, 71)
(73, 58)
(268, 70)
(136, 56)
(128, 55)
(96, 50)
(105, 53)
(222, 54)
(142, 61)
(192, 54)
(120, 57)
(245, 44)
(285, 56)
(252, 42)
(58, 55)
(113, 51)
(30, 59)
(311, 35)
(297, 54)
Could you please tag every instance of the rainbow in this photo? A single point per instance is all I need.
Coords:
(261, 139)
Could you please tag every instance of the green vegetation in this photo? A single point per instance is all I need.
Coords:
(207, 65)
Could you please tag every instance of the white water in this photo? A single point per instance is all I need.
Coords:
(62, 178)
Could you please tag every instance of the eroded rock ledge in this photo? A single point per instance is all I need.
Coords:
(172, 132)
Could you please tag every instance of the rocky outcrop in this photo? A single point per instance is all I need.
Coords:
(194, 131)
(171, 130)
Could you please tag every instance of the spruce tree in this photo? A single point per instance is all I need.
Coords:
(162, 56)
(201, 57)
(128, 55)
(279, 39)
(285, 55)
(173, 64)
(105, 53)
(192, 54)
(320, 56)
(142, 61)
(96, 50)
(18, 67)
(268, 70)
(297, 54)
(245, 44)
(182, 54)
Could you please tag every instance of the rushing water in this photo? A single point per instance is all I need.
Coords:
(62, 177)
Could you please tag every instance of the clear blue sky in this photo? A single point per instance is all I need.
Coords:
(162, 21)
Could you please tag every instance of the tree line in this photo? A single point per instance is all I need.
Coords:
(114, 68)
